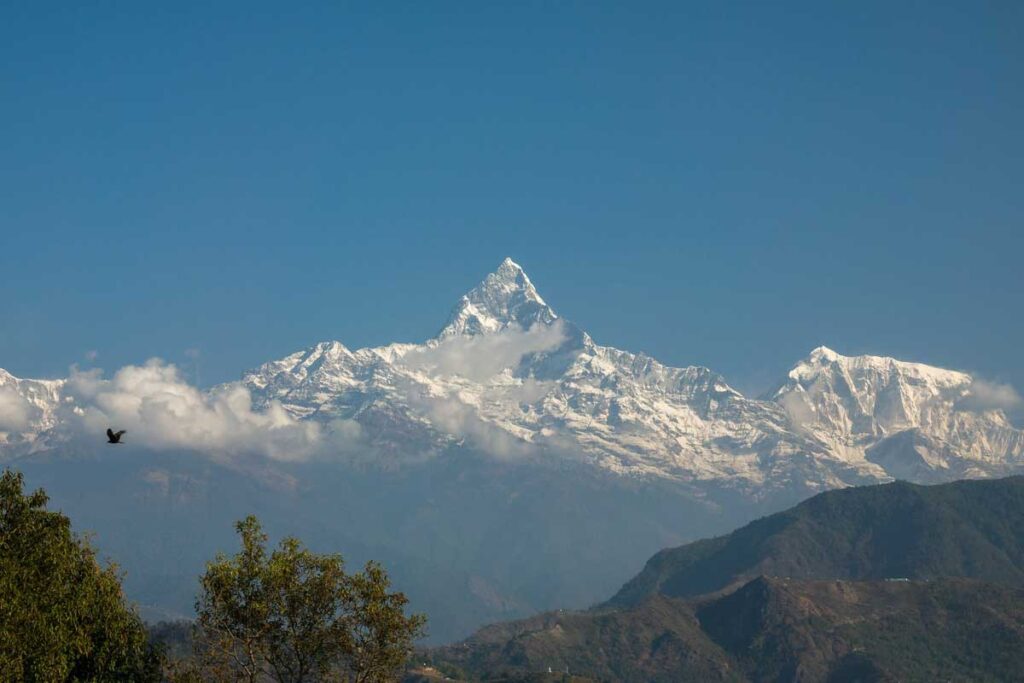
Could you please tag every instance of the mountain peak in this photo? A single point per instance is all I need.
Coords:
(512, 279)
(824, 353)
(510, 268)
(824, 359)
(505, 298)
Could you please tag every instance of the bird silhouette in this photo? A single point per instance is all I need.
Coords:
(115, 437)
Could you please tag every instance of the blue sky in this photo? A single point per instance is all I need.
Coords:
(725, 184)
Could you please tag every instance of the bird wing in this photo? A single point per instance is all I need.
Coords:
(110, 433)
(120, 433)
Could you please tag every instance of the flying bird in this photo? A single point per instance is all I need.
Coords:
(115, 437)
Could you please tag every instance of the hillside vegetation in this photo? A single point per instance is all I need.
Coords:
(769, 630)
(883, 583)
(900, 530)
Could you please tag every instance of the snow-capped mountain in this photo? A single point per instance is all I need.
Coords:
(834, 420)
(508, 376)
(507, 465)
(506, 297)
(912, 420)
(28, 412)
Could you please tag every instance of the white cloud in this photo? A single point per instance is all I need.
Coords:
(798, 407)
(454, 417)
(480, 357)
(15, 410)
(529, 391)
(983, 395)
(161, 410)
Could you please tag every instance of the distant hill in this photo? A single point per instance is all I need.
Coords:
(768, 630)
(895, 582)
(966, 528)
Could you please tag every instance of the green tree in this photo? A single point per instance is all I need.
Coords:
(62, 616)
(292, 615)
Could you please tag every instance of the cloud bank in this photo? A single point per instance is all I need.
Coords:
(481, 357)
(798, 408)
(15, 411)
(983, 395)
(161, 410)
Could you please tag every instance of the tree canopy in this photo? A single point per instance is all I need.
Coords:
(288, 615)
(292, 615)
(62, 615)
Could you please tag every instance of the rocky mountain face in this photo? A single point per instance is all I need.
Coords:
(506, 373)
(913, 421)
(28, 413)
(510, 436)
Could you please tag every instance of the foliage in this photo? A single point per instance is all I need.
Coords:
(767, 630)
(294, 615)
(697, 612)
(173, 637)
(62, 616)
(971, 529)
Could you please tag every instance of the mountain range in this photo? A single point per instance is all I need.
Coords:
(509, 436)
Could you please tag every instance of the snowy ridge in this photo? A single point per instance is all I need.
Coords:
(506, 297)
(506, 375)
(629, 414)
(897, 414)
(28, 412)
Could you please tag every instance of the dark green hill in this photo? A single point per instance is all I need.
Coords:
(966, 528)
(652, 642)
(943, 630)
(768, 630)
(883, 583)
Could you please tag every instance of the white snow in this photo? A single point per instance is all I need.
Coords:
(495, 379)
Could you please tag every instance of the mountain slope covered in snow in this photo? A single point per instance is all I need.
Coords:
(507, 465)
(508, 376)
(508, 373)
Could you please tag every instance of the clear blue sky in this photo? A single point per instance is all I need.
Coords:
(725, 184)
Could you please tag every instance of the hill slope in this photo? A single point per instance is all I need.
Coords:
(967, 528)
(769, 630)
(880, 583)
